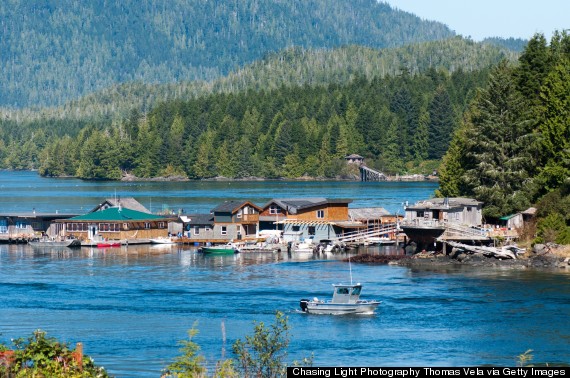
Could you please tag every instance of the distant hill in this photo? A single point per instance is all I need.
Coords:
(53, 51)
(293, 66)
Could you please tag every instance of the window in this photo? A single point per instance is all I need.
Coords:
(207, 228)
(419, 214)
(342, 290)
(273, 209)
(468, 208)
(296, 228)
(21, 224)
(240, 212)
(3, 226)
(320, 214)
(196, 230)
(311, 230)
(160, 224)
(224, 230)
(147, 225)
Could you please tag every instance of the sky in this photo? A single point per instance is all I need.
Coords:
(479, 19)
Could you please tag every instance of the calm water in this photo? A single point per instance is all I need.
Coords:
(130, 305)
(24, 191)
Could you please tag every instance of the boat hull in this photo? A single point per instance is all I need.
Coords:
(65, 243)
(218, 251)
(324, 308)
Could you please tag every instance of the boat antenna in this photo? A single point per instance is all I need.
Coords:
(350, 269)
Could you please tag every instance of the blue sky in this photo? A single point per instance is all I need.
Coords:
(493, 18)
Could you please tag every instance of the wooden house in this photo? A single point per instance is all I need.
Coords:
(230, 221)
(354, 159)
(306, 218)
(463, 211)
(116, 223)
(20, 227)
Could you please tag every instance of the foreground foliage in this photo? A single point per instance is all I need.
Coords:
(42, 356)
(262, 354)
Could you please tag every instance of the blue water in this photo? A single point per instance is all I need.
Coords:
(131, 305)
(25, 191)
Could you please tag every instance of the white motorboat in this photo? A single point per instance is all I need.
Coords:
(162, 240)
(345, 300)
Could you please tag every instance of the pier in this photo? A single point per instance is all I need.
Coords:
(369, 174)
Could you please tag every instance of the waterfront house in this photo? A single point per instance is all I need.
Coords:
(232, 221)
(116, 223)
(20, 227)
(307, 218)
(197, 227)
(435, 211)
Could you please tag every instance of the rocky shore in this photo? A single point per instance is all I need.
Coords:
(549, 257)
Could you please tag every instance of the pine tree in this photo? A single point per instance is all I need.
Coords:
(497, 138)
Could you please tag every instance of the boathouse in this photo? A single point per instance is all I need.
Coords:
(116, 223)
(308, 218)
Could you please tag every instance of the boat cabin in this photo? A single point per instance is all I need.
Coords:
(346, 293)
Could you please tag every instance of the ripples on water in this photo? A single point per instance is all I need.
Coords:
(130, 306)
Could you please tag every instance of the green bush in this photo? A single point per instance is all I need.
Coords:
(42, 356)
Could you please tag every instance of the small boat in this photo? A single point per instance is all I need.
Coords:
(345, 300)
(108, 244)
(227, 249)
(162, 240)
(46, 242)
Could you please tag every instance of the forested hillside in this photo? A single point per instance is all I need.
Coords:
(285, 132)
(57, 50)
(290, 67)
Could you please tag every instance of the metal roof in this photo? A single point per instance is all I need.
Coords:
(232, 206)
(293, 205)
(116, 214)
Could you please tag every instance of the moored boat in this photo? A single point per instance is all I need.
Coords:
(162, 240)
(226, 249)
(45, 242)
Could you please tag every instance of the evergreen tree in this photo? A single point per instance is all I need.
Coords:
(554, 127)
(497, 138)
(441, 123)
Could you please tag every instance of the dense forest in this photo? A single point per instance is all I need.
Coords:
(57, 50)
(290, 67)
(513, 146)
(286, 132)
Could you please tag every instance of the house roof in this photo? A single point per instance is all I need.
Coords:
(353, 156)
(125, 202)
(116, 214)
(198, 219)
(445, 203)
(367, 213)
(293, 205)
(233, 206)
